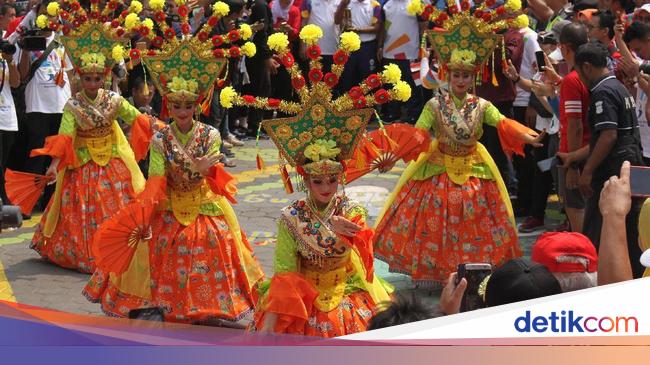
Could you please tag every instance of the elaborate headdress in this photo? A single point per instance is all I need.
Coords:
(94, 39)
(324, 132)
(466, 35)
(184, 67)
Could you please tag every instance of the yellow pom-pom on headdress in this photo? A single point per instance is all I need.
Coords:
(512, 5)
(117, 53)
(135, 7)
(391, 74)
(179, 2)
(248, 49)
(402, 91)
(227, 96)
(53, 8)
(220, 9)
(310, 34)
(322, 149)
(463, 59)
(350, 42)
(179, 84)
(245, 31)
(42, 21)
(157, 5)
(278, 42)
(521, 21)
(148, 23)
(415, 7)
(131, 21)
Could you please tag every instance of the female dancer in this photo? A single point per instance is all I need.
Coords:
(451, 206)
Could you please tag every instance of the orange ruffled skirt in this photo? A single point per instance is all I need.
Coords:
(196, 274)
(434, 224)
(90, 194)
(291, 297)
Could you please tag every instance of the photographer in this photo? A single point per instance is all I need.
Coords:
(8, 120)
(44, 73)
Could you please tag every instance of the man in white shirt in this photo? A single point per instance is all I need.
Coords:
(364, 20)
(399, 43)
(9, 77)
(321, 13)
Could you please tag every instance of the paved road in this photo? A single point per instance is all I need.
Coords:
(28, 279)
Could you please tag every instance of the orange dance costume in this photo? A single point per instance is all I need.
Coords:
(192, 259)
(451, 206)
(324, 282)
(98, 174)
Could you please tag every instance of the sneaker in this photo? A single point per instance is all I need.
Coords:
(564, 227)
(234, 141)
(227, 144)
(530, 225)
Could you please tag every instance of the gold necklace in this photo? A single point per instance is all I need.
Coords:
(322, 215)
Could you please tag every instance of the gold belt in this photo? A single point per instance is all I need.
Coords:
(456, 149)
(95, 132)
(100, 148)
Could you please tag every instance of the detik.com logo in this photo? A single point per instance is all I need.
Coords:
(567, 321)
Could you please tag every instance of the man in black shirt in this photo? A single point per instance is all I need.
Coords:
(614, 139)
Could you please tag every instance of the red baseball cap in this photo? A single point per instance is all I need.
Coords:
(551, 247)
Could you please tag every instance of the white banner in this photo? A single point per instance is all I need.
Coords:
(612, 310)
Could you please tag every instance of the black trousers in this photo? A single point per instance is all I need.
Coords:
(38, 127)
(6, 143)
(260, 85)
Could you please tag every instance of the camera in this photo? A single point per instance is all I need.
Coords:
(645, 69)
(119, 71)
(474, 273)
(6, 47)
(32, 41)
(10, 216)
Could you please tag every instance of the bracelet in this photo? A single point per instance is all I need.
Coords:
(518, 78)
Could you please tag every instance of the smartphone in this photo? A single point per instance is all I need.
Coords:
(474, 273)
(640, 181)
(541, 62)
(547, 164)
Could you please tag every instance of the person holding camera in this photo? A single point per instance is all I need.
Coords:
(45, 72)
(10, 78)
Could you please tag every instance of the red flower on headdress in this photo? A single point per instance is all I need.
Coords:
(315, 75)
(54, 26)
(124, 13)
(442, 18)
(185, 28)
(203, 36)
(340, 57)
(159, 16)
(169, 33)
(373, 81)
(490, 3)
(83, 18)
(465, 5)
(355, 93)
(501, 10)
(66, 29)
(64, 15)
(75, 6)
(298, 82)
(478, 13)
(428, 10)
(144, 31)
(288, 60)
(360, 103)
(313, 52)
(453, 10)
(234, 52)
(273, 103)
(487, 17)
(212, 21)
(103, 19)
(183, 10)
(233, 35)
(151, 52)
(248, 99)
(134, 54)
(112, 5)
(94, 15)
(331, 79)
(218, 53)
(217, 40)
(119, 32)
(382, 96)
(76, 23)
(157, 42)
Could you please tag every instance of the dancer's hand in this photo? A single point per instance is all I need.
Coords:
(535, 140)
(52, 169)
(343, 226)
(205, 163)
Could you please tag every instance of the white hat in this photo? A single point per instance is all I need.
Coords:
(645, 7)
(645, 257)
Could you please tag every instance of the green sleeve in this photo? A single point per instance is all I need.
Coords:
(127, 112)
(427, 118)
(492, 116)
(286, 251)
(156, 163)
(216, 145)
(67, 123)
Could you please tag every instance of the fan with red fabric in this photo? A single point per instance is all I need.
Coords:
(24, 189)
(117, 239)
(384, 147)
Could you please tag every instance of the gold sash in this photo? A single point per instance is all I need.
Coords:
(186, 205)
(330, 285)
